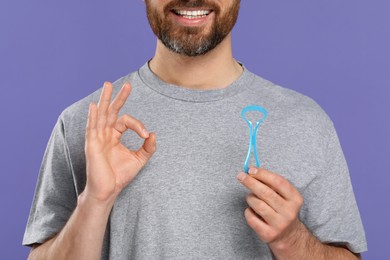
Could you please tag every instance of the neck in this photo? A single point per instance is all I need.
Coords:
(213, 70)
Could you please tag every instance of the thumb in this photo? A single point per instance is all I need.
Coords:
(147, 149)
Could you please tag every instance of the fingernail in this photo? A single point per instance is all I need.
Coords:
(252, 171)
(241, 176)
(145, 132)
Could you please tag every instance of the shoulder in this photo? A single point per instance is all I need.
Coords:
(287, 103)
(284, 97)
(293, 117)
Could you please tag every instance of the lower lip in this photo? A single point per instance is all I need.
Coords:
(191, 22)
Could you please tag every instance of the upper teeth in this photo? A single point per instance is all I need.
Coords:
(192, 13)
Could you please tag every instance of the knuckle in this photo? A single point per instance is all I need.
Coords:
(262, 171)
(118, 127)
(131, 121)
(139, 123)
(261, 208)
(281, 226)
(299, 200)
(112, 110)
(251, 201)
(249, 197)
(289, 217)
(269, 235)
(247, 212)
(251, 218)
(141, 126)
(280, 181)
(141, 162)
(265, 192)
(126, 117)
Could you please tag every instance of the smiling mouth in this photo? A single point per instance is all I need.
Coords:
(192, 14)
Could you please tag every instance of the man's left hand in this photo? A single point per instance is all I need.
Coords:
(274, 205)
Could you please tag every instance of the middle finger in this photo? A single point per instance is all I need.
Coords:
(104, 103)
(263, 192)
(262, 209)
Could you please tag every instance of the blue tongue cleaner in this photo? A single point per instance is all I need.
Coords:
(253, 133)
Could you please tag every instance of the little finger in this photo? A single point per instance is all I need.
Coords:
(262, 229)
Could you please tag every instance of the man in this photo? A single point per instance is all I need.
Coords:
(114, 200)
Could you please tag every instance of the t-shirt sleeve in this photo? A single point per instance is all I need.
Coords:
(330, 210)
(55, 197)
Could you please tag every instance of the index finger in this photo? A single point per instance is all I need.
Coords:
(275, 181)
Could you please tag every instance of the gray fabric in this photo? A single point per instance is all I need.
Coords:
(186, 203)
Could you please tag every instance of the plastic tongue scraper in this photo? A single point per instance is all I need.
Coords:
(253, 133)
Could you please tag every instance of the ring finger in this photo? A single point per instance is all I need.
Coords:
(104, 103)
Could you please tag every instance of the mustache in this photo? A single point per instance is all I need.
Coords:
(191, 4)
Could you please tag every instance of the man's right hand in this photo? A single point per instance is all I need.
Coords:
(110, 165)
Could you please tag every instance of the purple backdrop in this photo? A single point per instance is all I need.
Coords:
(54, 53)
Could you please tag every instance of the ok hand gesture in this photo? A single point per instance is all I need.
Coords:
(110, 165)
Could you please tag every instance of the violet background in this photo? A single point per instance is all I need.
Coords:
(55, 53)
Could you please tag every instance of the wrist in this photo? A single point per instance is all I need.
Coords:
(88, 203)
(288, 245)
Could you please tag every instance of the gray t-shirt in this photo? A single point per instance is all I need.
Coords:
(186, 202)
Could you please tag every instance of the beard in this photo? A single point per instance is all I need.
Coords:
(192, 40)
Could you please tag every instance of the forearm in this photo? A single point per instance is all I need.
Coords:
(304, 245)
(81, 237)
